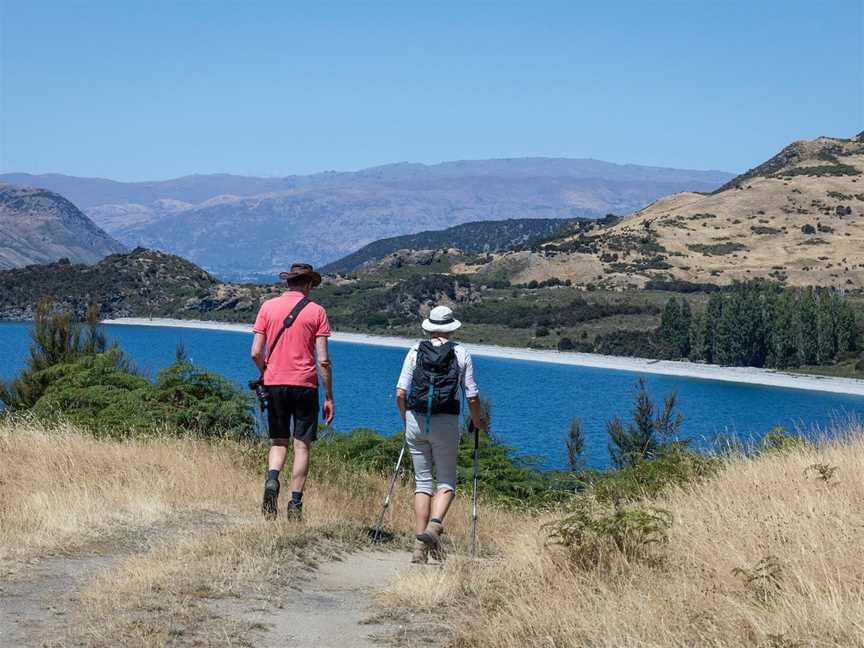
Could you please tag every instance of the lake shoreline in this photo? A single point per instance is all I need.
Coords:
(746, 375)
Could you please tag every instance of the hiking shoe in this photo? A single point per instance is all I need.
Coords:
(421, 553)
(271, 499)
(431, 537)
(295, 511)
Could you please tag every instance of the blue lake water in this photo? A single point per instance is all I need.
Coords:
(532, 402)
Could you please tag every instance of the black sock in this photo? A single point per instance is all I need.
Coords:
(297, 498)
(273, 474)
(435, 520)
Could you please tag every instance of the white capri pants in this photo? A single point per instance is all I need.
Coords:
(434, 450)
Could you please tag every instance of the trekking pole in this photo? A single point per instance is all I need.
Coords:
(473, 546)
(376, 532)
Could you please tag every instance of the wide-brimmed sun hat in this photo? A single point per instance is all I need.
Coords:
(301, 270)
(440, 320)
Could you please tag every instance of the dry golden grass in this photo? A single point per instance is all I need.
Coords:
(174, 525)
(767, 553)
(61, 490)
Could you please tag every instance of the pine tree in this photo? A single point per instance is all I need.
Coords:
(575, 444)
(670, 322)
(675, 327)
(784, 331)
(807, 327)
(826, 339)
(646, 434)
(847, 328)
(683, 337)
(698, 337)
(713, 312)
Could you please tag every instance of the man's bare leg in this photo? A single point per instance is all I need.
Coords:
(277, 455)
(300, 469)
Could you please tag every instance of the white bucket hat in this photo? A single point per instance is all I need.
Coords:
(441, 320)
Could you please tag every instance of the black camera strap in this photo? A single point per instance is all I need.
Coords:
(286, 324)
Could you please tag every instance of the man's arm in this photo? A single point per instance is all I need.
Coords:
(322, 353)
(258, 343)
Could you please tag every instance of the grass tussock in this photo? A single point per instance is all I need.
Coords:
(766, 552)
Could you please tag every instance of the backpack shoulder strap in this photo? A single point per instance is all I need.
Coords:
(286, 324)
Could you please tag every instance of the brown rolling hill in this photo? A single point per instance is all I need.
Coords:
(798, 219)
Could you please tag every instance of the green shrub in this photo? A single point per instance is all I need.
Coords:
(97, 394)
(673, 466)
(194, 400)
(100, 394)
(55, 338)
(364, 449)
(779, 439)
(764, 579)
(593, 532)
(838, 169)
(717, 249)
(71, 375)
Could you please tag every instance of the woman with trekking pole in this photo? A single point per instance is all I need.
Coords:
(427, 395)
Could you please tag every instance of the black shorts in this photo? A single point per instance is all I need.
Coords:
(291, 403)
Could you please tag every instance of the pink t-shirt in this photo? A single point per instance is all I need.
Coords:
(293, 360)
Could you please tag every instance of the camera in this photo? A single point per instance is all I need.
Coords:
(261, 393)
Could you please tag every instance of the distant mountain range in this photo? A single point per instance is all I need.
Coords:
(39, 226)
(244, 227)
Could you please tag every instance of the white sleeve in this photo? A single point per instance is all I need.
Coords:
(407, 371)
(469, 385)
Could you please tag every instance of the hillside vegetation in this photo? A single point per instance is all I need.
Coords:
(471, 238)
(138, 283)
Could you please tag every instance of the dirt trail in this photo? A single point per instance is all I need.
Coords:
(330, 607)
(36, 600)
(36, 595)
(333, 609)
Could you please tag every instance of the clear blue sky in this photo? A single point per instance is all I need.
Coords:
(137, 90)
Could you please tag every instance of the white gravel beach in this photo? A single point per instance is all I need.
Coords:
(749, 375)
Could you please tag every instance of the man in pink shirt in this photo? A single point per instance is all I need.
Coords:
(290, 336)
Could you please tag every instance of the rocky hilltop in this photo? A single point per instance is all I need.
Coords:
(797, 219)
(139, 283)
(267, 223)
(39, 226)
